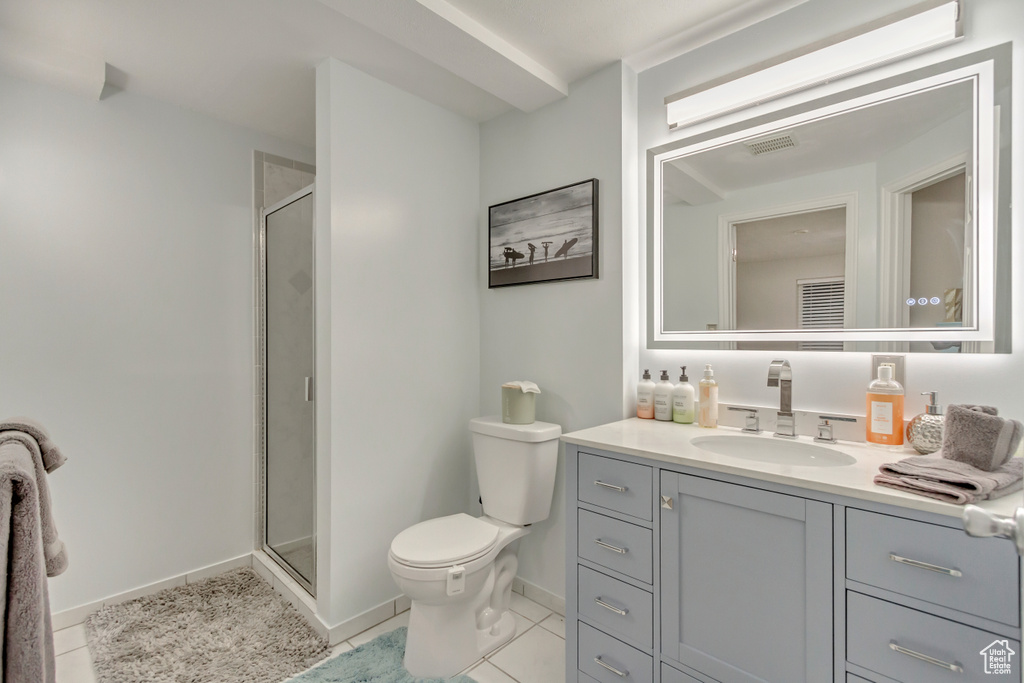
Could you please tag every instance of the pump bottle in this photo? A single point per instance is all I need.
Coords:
(645, 397)
(682, 400)
(663, 398)
(885, 410)
(707, 411)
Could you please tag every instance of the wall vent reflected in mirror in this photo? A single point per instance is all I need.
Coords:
(896, 194)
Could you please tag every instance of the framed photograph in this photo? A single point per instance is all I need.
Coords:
(544, 237)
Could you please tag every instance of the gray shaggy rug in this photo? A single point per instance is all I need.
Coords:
(231, 628)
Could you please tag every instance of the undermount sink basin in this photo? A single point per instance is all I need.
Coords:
(779, 451)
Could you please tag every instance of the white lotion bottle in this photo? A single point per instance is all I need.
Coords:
(682, 400)
(707, 412)
(645, 397)
(663, 398)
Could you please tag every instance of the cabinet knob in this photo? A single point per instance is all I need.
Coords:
(666, 502)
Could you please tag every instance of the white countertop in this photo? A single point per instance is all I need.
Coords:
(670, 442)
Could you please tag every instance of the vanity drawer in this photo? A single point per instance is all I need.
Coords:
(616, 606)
(874, 628)
(611, 661)
(618, 545)
(934, 563)
(621, 486)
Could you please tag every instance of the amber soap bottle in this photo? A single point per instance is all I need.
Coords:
(885, 409)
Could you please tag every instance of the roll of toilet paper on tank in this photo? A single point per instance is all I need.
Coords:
(517, 402)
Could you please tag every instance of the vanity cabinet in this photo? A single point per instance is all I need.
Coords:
(677, 574)
(746, 581)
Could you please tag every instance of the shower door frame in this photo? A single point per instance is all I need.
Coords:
(261, 393)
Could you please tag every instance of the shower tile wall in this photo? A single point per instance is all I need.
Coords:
(274, 178)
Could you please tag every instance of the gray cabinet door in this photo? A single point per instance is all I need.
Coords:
(746, 581)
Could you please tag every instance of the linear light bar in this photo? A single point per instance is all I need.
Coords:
(858, 50)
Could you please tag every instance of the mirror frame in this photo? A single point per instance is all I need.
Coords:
(980, 68)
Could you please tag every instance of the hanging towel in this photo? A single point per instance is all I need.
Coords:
(951, 481)
(26, 645)
(52, 457)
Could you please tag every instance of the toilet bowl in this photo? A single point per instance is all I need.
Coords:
(458, 570)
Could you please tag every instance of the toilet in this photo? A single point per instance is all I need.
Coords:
(458, 570)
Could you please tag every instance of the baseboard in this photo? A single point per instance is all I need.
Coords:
(76, 615)
(555, 603)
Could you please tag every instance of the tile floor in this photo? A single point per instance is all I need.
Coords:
(535, 655)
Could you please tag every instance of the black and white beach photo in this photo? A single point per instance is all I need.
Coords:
(547, 236)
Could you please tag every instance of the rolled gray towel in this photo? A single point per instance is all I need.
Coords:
(977, 436)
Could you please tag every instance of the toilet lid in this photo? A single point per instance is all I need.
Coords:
(444, 541)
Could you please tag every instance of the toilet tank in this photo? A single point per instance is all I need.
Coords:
(515, 467)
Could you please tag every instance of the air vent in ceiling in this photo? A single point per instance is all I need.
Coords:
(768, 145)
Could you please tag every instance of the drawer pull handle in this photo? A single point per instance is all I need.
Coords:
(924, 565)
(613, 608)
(620, 489)
(614, 549)
(925, 658)
(621, 674)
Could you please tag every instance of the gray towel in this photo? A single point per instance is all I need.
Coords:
(52, 457)
(55, 555)
(977, 436)
(26, 644)
(951, 481)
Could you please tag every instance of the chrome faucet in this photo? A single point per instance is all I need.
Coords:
(780, 375)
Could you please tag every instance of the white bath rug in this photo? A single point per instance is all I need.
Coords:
(231, 628)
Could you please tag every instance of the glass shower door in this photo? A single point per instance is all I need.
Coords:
(290, 507)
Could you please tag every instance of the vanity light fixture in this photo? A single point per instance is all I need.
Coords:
(918, 29)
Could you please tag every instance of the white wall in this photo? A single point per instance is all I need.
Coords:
(126, 299)
(691, 241)
(741, 375)
(398, 325)
(566, 336)
(766, 291)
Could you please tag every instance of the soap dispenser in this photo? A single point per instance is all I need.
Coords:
(707, 410)
(925, 431)
(663, 398)
(885, 410)
(645, 397)
(682, 400)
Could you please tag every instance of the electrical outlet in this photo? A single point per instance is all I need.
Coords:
(899, 367)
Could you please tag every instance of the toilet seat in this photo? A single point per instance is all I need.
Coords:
(444, 541)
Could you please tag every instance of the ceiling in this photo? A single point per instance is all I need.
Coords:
(855, 137)
(797, 235)
(251, 62)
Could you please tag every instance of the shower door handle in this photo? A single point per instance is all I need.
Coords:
(309, 389)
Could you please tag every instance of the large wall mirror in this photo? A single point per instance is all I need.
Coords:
(872, 220)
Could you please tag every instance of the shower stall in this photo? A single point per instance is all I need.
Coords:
(286, 406)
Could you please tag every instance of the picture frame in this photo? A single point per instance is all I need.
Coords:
(546, 237)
